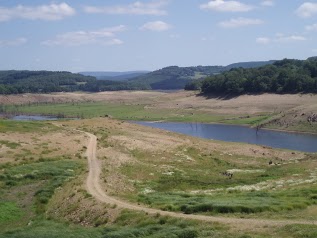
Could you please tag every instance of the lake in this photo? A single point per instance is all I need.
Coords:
(33, 118)
(232, 133)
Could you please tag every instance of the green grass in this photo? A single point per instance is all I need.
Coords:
(9, 212)
(50, 229)
(136, 224)
(9, 144)
(51, 174)
(165, 181)
(234, 202)
(157, 231)
(202, 171)
(249, 120)
(128, 224)
(140, 225)
(25, 126)
(299, 231)
(86, 110)
(133, 112)
(302, 126)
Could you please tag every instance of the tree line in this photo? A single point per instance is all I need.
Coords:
(16, 81)
(284, 76)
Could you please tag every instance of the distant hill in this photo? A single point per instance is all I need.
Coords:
(246, 65)
(114, 76)
(174, 77)
(24, 81)
(169, 78)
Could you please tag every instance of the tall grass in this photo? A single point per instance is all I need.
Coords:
(9, 211)
(50, 229)
(51, 174)
(237, 202)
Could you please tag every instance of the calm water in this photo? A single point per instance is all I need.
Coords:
(33, 118)
(276, 139)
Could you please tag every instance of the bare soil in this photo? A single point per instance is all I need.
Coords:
(244, 104)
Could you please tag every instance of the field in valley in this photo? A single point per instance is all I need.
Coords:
(249, 190)
(293, 112)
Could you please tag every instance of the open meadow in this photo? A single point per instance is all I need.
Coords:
(145, 182)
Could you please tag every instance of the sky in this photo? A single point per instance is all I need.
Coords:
(124, 35)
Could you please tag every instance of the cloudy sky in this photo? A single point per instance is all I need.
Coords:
(120, 35)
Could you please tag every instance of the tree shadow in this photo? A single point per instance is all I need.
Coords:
(219, 96)
(228, 96)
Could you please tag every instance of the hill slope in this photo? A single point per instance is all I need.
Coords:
(17, 81)
(284, 76)
(114, 76)
(174, 77)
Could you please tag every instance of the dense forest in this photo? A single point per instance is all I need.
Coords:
(284, 76)
(13, 81)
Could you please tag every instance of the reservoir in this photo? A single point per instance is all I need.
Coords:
(232, 133)
(33, 118)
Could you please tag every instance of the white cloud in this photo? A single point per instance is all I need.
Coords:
(136, 8)
(280, 38)
(263, 40)
(226, 6)
(311, 27)
(14, 42)
(307, 9)
(283, 38)
(240, 22)
(113, 42)
(156, 26)
(44, 12)
(267, 3)
(104, 36)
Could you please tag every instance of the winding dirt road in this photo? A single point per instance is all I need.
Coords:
(94, 188)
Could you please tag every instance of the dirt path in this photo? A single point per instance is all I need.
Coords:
(94, 188)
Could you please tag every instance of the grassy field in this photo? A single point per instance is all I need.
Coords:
(43, 170)
(45, 197)
(169, 184)
(8, 126)
(135, 112)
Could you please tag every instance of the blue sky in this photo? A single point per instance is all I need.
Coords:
(121, 35)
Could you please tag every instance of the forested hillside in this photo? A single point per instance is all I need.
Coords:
(114, 76)
(285, 76)
(13, 82)
(174, 77)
